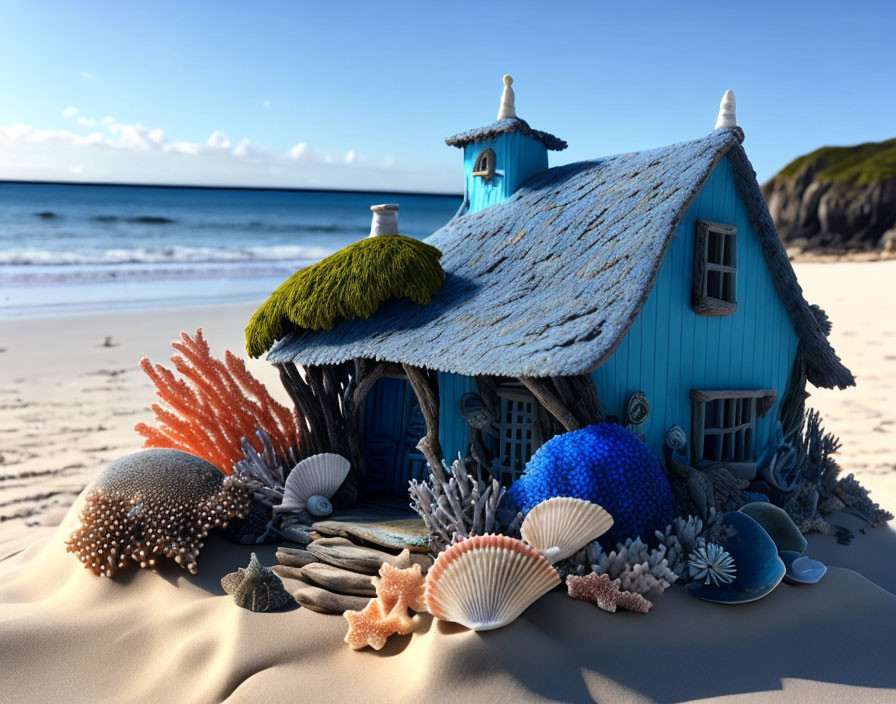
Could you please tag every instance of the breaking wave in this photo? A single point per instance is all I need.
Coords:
(161, 255)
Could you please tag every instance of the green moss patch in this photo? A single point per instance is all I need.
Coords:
(863, 163)
(353, 283)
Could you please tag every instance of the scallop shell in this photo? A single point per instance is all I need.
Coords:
(486, 581)
(319, 475)
(561, 526)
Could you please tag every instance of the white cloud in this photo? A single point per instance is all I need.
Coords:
(298, 151)
(244, 148)
(70, 111)
(137, 153)
(182, 147)
(88, 76)
(218, 140)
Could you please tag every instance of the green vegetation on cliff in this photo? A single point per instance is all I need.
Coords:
(863, 163)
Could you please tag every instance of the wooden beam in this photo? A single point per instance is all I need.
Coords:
(542, 391)
(365, 380)
(426, 388)
(306, 410)
(584, 389)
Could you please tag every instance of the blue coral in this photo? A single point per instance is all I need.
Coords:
(608, 465)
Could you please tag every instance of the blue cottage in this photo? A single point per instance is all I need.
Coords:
(649, 288)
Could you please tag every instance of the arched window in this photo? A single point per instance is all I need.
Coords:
(485, 165)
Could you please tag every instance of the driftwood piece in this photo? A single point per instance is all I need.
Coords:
(293, 557)
(542, 390)
(426, 388)
(316, 598)
(339, 580)
(356, 558)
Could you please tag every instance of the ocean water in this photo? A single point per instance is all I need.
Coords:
(78, 248)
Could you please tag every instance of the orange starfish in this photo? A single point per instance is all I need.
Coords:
(372, 627)
(400, 589)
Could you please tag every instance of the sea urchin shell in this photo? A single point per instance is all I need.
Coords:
(154, 503)
(486, 581)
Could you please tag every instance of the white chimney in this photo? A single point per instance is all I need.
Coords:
(385, 219)
(727, 111)
(507, 108)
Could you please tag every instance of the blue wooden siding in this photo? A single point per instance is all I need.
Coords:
(671, 350)
(393, 425)
(518, 158)
(453, 430)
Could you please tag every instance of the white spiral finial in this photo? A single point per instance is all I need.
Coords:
(507, 108)
(727, 111)
(385, 219)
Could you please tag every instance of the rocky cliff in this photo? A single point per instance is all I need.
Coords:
(837, 199)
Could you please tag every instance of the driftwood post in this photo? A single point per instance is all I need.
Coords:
(546, 395)
(572, 400)
(328, 402)
(426, 388)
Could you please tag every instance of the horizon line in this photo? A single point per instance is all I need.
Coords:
(288, 189)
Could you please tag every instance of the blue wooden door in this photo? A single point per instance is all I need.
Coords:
(393, 425)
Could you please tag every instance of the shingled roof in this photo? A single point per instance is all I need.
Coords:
(506, 126)
(549, 281)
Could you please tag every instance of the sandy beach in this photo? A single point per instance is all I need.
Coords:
(70, 393)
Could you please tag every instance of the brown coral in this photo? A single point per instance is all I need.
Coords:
(397, 590)
(214, 407)
(599, 589)
(151, 504)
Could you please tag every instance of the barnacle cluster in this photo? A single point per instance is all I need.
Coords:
(608, 465)
(151, 504)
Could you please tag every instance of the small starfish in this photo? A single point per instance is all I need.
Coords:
(371, 626)
(400, 589)
(599, 589)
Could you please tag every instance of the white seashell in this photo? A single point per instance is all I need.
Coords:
(319, 475)
(561, 526)
(486, 581)
(319, 506)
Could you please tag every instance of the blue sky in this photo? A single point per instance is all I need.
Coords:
(361, 95)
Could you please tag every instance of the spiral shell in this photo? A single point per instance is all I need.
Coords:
(486, 581)
(319, 506)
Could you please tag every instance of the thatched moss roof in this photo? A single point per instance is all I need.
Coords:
(352, 283)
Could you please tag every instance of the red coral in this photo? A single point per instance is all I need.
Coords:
(214, 406)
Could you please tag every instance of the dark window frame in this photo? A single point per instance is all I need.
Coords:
(715, 269)
(728, 417)
(485, 164)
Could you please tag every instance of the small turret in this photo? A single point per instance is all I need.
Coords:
(500, 157)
